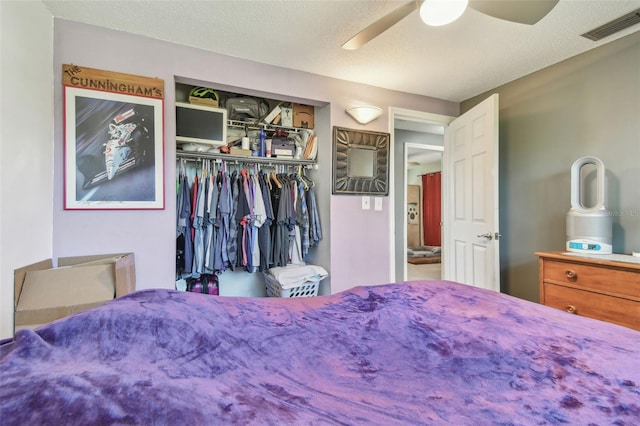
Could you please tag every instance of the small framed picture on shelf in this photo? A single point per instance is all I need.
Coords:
(286, 114)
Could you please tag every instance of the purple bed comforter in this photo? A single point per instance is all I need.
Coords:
(412, 353)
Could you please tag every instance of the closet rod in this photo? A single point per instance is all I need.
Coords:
(247, 160)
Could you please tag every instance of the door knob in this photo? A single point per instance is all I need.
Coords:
(486, 235)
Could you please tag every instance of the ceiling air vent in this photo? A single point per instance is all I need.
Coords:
(619, 24)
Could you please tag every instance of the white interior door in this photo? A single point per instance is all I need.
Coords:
(471, 245)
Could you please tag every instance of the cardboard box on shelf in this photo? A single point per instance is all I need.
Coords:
(240, 152)
(303, 116)
(43, 293)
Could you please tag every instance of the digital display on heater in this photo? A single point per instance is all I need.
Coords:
(584, 246)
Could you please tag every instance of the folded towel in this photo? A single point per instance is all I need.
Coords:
(295, 275)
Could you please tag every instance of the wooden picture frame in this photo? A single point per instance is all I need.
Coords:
(113, 141)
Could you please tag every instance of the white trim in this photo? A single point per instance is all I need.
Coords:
(391, 185)
(424, 117)
(411, 115)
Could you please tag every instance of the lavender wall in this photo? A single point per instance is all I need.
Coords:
(356, 246)
(26, 144)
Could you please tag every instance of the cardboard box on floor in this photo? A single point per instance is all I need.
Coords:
(43, 293)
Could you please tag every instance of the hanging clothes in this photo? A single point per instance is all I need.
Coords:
(243, 216)
(200, 228)
(213, 225)
(295, 236)
(194, 201)
(264, 233)
(232, 239)
(244, 219)
(302, 216)
(259, 217)
(315, 229)
(221, 261)
(281, 239)
(184, 242)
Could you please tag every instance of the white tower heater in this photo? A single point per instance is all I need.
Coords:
(589, 229)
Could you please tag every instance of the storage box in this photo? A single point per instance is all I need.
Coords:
(274, 288)
(203, 101)
(283, 147)
(240, 152)
(43, 294)
(303, 116)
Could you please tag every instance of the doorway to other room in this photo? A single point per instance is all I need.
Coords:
(418, 147)
(423, 165)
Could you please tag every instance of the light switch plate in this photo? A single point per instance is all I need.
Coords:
(366, 203)
(378, 204)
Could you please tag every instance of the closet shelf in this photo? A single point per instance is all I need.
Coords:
(197, 156)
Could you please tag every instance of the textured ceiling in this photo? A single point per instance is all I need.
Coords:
(474, 54)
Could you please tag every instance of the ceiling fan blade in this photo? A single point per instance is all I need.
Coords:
(380, 26)
(521, 11)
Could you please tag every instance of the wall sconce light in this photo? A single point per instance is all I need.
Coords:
(364, 114)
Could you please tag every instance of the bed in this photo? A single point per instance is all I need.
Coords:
(421, 255)
(430, 352)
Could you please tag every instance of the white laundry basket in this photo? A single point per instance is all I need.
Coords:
(274, 288)
(294, 280)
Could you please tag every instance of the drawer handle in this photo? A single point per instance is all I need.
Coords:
(571, 275)
(571, 309)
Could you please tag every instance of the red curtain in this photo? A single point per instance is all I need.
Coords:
(431, 217)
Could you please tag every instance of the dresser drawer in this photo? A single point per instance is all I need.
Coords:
(593, 305)
(608, 280)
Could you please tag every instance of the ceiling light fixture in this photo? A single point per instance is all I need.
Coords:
(364, 114)
(442, 12)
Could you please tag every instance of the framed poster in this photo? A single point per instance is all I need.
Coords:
(113, 140)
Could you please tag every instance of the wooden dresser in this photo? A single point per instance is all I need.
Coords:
(606, 288)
